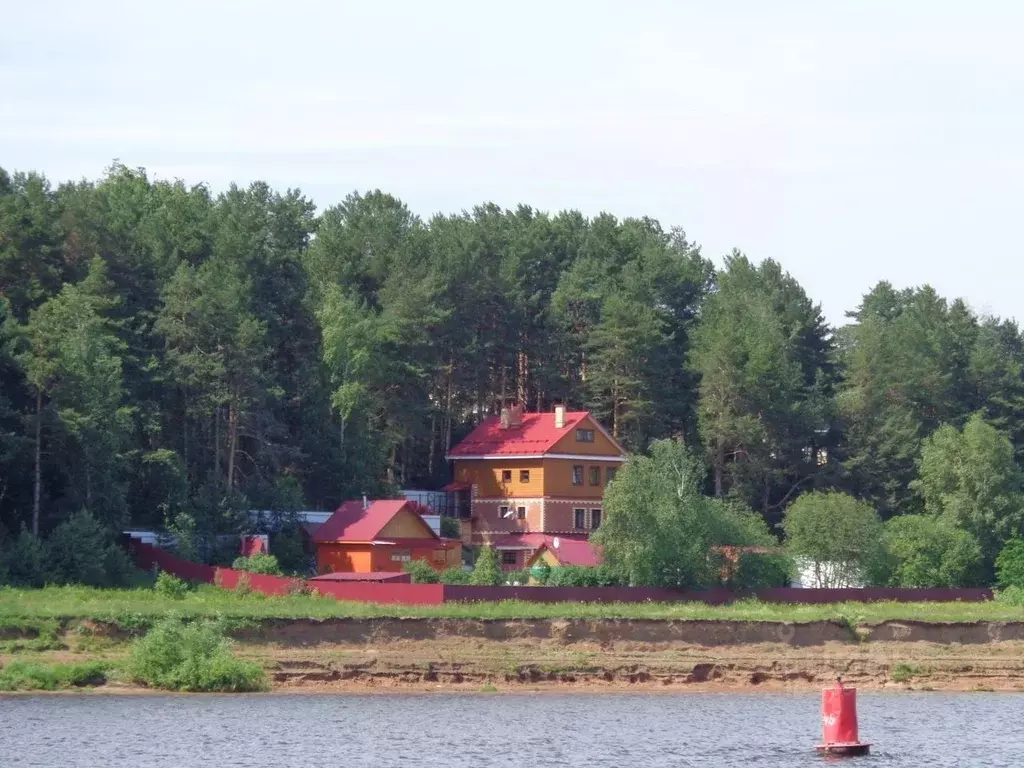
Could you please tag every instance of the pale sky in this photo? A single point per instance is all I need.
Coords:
(851, 141)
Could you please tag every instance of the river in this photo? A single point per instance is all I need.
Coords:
(474, 731)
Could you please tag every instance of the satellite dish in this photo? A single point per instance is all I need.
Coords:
(555, 542)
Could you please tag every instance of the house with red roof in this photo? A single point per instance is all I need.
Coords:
(531, 473)
(374, 536)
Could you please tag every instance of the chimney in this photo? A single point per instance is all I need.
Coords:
(366, 504)
(515, 416)
(506, 418)
(559, 416)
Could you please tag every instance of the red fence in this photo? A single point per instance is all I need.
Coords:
(147, 556)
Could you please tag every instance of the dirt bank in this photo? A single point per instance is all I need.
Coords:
(339, 655)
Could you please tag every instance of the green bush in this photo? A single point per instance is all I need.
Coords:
(197, 656)
(541, 572)
(288, 549)
(171, 586)
(258, 563)
(450, 527)
(28, 676)
(1011, 596)
(421, 572)
(520, 578)
(82, 551)
(456, 575)
(26, 561)
(1010, 565)
(929, 551)
(756, 570)
(582, 576)
(486, 572)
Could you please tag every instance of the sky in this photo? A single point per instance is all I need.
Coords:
(850, 141)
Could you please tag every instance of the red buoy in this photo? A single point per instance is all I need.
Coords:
(839, 722)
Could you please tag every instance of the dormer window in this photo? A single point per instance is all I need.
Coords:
(584, 435)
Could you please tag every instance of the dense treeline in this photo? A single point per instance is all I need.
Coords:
(171, 356)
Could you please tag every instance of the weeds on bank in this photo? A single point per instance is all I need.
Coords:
(136, 609)
(191, 656)
(31, 676)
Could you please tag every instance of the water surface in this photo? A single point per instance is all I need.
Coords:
(473, 731)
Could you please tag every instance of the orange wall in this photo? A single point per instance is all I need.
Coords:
(343, 558)
(364, 558)
(486, 475)
(558, 478)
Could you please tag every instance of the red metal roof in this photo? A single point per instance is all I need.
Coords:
(536, 436)
(570, 550)
(392, 576)
(351, 522)
(456, 487)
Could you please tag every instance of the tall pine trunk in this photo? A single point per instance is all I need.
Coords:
(36, 489)
(232, 441)
(719, 464)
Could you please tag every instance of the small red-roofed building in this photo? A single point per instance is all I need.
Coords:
(373, 536)
(531, 473)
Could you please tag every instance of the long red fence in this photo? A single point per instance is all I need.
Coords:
(148, 556)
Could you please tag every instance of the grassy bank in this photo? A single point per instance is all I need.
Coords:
(140, 607)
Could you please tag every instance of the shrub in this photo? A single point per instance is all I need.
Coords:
(486, 572)
(455, 575)
(1010, 565)
(28, 676)
(170, 586)
(82, 551)
(450, 527)
(518, 578)
(541, 572)
(288, 549)
(1011, 596)
(26, 561)
(243, 587)
(196, 656)
(421, 572)
(258, 563)
(926, 551)
(756, 570)
(582, 576)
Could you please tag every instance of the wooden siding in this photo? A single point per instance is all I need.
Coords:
(485, 474)
(344, 558)
(365, 558)
(406, 525)
(601, 446)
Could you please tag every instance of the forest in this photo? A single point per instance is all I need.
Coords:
(173, 357)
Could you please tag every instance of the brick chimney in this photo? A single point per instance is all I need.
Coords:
(559, 416)
(515, 416)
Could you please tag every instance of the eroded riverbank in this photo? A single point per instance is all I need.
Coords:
(337, 655)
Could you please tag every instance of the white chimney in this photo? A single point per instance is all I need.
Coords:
(366, 504)
(559, 416)
(506, 418)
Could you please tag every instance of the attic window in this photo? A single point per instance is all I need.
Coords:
(584, 435)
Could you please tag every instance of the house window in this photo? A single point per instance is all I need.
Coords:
(401, 556)
(609, 474)
(595, 519)
(584, 435)
(505, 512)
(509, 557)
(577, 475)
(579, 518)
(521, 513)
(595, 475)
(506, 475)
(524, 475)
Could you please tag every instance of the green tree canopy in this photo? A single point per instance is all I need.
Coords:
(969, 477)
(926, 552)
(839, 536)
